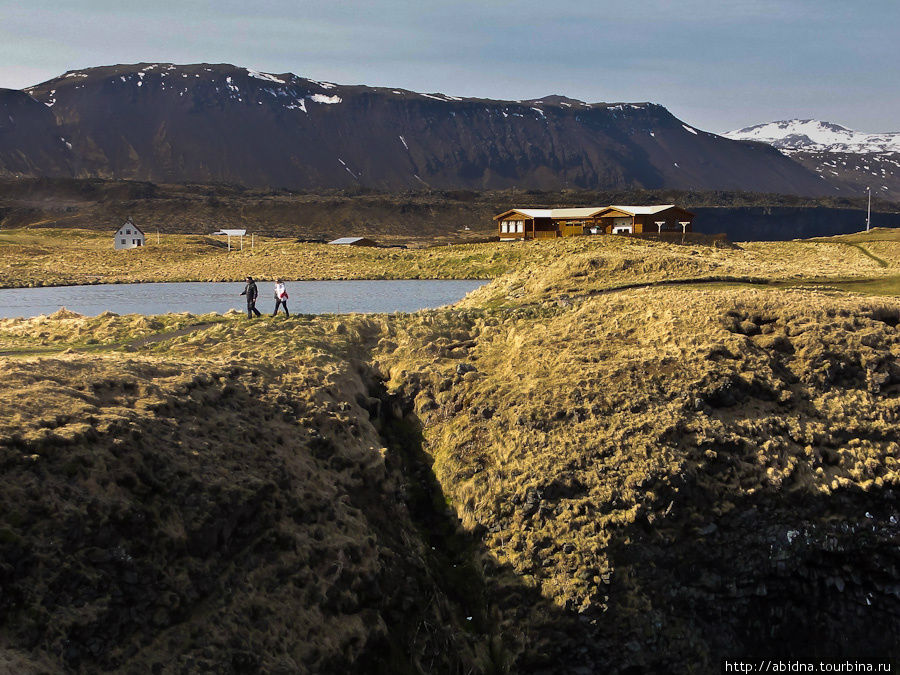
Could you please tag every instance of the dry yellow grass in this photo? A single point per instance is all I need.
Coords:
(53, 257)
(65, 257)
(648, 459)
(596, 444)
(201, 511)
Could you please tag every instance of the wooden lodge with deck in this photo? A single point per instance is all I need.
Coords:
(519, 224)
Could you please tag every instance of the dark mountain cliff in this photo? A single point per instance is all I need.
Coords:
(221, 123)
(30, 142)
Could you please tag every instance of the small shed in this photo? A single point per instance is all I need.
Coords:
(230, 234)
(354, 241)
(129, 236)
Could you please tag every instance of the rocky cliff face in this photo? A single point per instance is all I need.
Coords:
(31, 142)
(220, 123)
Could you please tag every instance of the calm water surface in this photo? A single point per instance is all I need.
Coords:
(306, 297)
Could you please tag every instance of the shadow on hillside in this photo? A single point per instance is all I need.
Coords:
(782, 576)
(213, 534)
(511, 627)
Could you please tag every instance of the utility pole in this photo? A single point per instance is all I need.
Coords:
(157, 236)
(869, 210)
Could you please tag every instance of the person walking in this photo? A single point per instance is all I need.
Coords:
(281, 298)
(251, 292)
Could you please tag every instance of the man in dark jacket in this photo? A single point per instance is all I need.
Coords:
(251, 293)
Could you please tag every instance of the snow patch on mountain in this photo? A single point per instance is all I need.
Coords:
(816, 136)
(300, 104)
(264, 76)
(321, 98)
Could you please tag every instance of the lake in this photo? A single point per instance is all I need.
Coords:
(306, 297)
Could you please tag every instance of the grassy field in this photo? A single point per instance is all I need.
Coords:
(34, 257)
(616, 442)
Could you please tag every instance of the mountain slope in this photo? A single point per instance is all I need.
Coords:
(849, 160)
(220, 123)
(852, 173)
(29, 140)
(817, 136)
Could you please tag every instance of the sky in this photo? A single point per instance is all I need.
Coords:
(717, 64)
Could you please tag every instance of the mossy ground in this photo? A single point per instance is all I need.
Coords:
(695, 471)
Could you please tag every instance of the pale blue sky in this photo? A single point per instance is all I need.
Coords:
(717, 64)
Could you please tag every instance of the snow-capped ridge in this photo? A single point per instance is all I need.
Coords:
(264, 76)
(816, 136)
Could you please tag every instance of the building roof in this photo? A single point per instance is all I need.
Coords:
(528, 213)
(350, 240)
(646, 210)
(588, 211)
(585, 212)
(130, 223)
(232, 233)
(643, 210)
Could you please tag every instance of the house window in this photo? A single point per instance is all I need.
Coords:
(123, 241)
(520, 226)
(127, 231)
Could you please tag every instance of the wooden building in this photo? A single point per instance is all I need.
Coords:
(129, 236)
(645, 219)
(520, 224)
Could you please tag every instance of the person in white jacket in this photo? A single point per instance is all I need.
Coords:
(281, 298)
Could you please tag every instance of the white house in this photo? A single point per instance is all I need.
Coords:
(129, 236)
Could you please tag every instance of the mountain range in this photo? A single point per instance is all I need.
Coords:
(850, 160)
(817, 136)
(218, 123)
